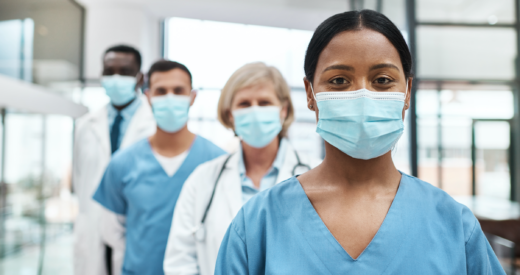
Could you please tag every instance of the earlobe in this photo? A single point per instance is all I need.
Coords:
(193, 96)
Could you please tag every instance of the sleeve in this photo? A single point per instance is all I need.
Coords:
(110, 190)
(113, 229)
(181, 250)
(232, 256)
(480, 258)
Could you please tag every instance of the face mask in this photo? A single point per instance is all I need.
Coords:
(171, 111)
(362, 124)
(120, 89)
(257, 126)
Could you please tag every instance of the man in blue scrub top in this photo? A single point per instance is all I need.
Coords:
(143, 181)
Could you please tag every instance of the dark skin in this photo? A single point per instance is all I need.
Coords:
(176, 82)
(353, 196)
(122, 64)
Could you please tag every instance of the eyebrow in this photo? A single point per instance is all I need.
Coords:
(339, 67)
(384, 65)
(350, 68)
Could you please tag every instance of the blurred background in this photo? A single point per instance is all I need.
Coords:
(462, 133)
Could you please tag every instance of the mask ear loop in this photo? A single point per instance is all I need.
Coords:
(314, 95)
(395, 147)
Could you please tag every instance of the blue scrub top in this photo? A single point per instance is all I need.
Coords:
(425, 232)
(135, 185)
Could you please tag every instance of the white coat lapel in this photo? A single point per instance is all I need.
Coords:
(288, 164)
(99, 123)
(231, 185)
(141, 125)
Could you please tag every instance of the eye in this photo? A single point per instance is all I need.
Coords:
(178, 90)
(383, 80)
(265, 103)
(339, 81)
(244, 104)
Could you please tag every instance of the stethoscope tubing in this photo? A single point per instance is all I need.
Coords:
(201, 231)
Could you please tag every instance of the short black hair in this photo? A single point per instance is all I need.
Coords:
(126, 49)
(164, 65)
(355, 20)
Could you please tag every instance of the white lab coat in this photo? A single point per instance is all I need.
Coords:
(186, 255)
(92, 154)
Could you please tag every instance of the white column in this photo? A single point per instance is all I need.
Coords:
(108, 25)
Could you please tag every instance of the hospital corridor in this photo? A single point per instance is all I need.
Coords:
(238, 137)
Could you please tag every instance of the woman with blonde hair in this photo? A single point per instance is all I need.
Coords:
(256, 104)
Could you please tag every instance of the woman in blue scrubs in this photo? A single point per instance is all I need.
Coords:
(356, 213)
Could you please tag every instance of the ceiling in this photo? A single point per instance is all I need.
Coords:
(296, 14)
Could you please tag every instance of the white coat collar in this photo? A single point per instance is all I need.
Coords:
(140, 122)
(232, 186)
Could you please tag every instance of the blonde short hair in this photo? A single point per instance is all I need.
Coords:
(250, 75)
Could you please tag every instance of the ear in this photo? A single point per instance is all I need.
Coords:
(311, 102)
(193, 96)
(148, 95)
(140, 80)
(284, 111)
(231, 119)
(408, 94)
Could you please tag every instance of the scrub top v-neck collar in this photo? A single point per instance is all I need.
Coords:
(188, 157)
(377, 255)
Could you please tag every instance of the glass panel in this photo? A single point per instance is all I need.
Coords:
(396, 11)
(233, 45)
(492, 141)
(11, 47)
(466, 53)
(466, 11)
(456, 153)
(444, 131)
(23, 178)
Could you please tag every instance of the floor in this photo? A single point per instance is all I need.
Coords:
(57, 259)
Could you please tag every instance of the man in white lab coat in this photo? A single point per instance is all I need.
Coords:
(125, 120)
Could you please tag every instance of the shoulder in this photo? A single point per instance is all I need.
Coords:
(89, 118)
(268, 205)
(419, 190)
(275, 198)
(125, 156)
(209, 147)
(211, 167)
(432, 202)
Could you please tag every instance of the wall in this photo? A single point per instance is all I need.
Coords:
(108, 25)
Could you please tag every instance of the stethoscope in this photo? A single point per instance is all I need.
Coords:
(200, 233)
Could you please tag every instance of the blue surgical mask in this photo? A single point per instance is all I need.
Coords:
(171, 111)
(257, 126)
(362, 124)
(120, 88)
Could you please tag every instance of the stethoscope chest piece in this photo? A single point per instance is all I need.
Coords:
(200, 233)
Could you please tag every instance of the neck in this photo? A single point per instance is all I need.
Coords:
(343, 169)
(171, 144)
(260, 159)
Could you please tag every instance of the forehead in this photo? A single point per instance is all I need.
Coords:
(119, 59)
(171, 77)
(264, 88)
(359, 48)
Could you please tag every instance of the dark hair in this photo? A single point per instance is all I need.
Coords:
(126, 49)
(164, 66)
(355, 20)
